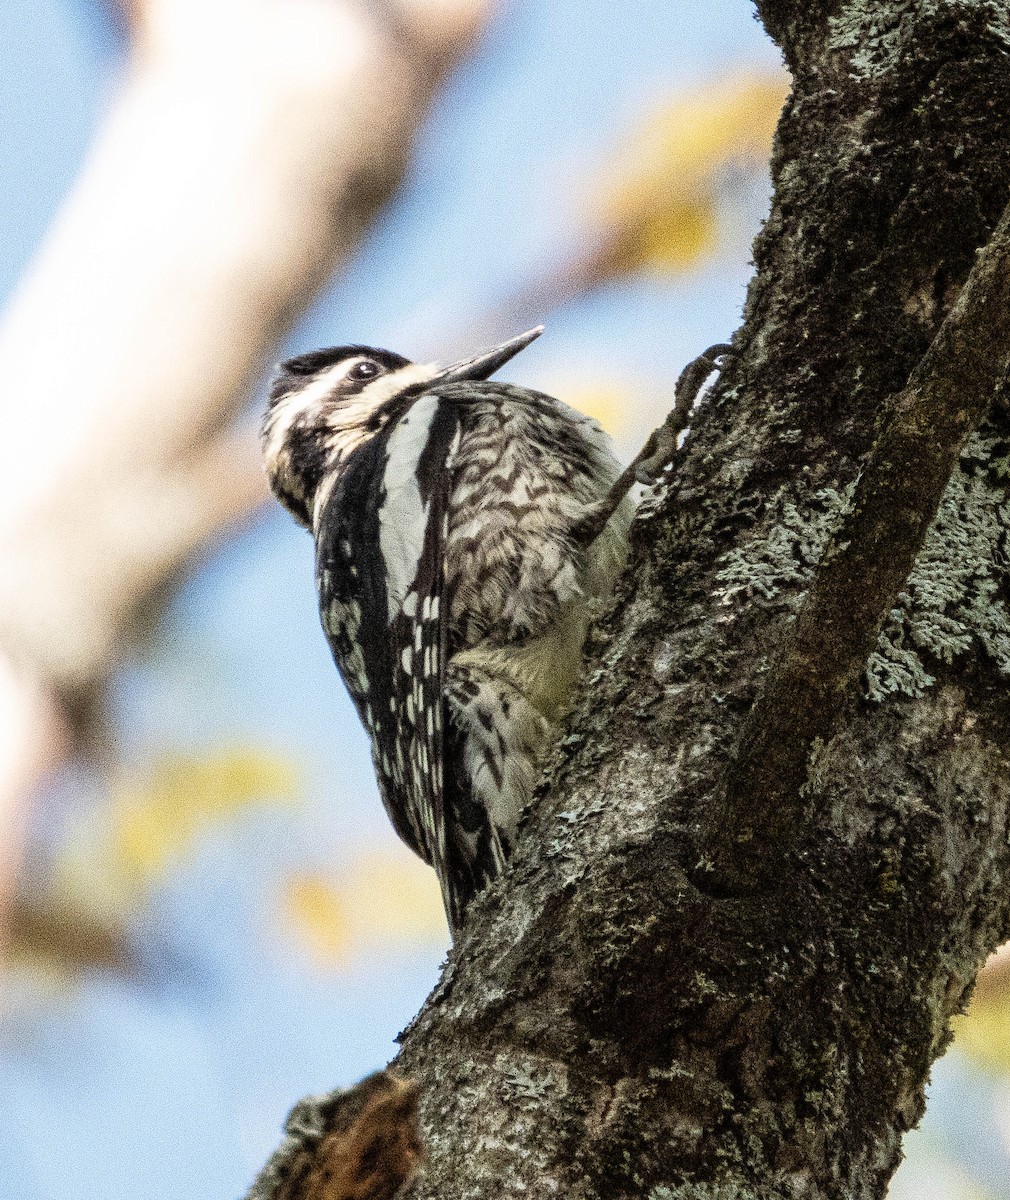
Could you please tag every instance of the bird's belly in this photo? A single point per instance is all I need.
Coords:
(543, 669)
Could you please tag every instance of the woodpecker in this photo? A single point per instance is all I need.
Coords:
(465, 531)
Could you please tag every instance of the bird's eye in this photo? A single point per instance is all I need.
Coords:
(366, 369)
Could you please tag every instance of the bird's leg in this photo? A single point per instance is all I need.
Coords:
(653, 458)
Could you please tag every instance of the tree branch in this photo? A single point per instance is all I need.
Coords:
(244, 157)
(360, 1144)
(752, 825)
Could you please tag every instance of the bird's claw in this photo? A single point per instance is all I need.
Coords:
(657, 453)
(659, 450)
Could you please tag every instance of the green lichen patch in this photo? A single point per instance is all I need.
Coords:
(871, 33)
(955, 598)
(774, 562)
(702, 1191)
(877, 36)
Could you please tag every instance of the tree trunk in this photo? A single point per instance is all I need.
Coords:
(655, 1003)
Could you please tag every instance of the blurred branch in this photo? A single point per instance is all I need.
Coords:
(61, 938)
(251, 144)
(33, 736)
(129, 13)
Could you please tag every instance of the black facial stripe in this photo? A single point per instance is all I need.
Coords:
(319, 360)
(302, 464)
(295, 373)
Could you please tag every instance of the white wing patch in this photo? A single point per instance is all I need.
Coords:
(403, 516)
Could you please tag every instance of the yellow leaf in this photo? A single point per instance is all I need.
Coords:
(658, 208)
(386, 898)
(316, 910)
(154, 820)
(396, 897)
(628, 408)
(671, 239)
(609, 403)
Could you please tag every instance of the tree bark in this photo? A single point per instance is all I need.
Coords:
(617, 1021)
(642, 1006)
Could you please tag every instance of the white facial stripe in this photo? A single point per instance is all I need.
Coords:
(342, 424)
(378, 392)
(355, 410)
(403, 517)
(289, 408)
(322, 497)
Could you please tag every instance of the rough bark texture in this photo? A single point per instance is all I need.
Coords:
(865, 562)
(361, 1144)
(614, 1025)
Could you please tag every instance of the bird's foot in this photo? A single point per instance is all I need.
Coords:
(658, 451)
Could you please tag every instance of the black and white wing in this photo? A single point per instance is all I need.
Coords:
(380, 571)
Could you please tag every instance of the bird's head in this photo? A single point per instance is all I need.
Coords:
(325, 404)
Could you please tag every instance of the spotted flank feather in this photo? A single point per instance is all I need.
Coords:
(495, 741)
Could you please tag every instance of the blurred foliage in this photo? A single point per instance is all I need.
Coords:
(117, 851)
(53, 940)
(659, 208)
(983, 1033)
(315, 909)
(658, 204)
(384, 898)
(612, 404)
(155, 819)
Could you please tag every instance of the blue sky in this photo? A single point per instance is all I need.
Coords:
(174, 1083)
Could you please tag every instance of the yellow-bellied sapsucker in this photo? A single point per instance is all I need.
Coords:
(464, 530)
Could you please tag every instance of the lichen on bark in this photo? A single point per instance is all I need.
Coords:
(955, 601)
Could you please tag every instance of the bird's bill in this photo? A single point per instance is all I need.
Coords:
(483, 366)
